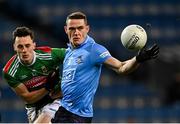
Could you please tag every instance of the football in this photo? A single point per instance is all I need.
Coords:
(134, 37)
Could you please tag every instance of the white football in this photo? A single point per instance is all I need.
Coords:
(134, 37)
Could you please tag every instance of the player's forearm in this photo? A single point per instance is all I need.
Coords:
(128, 66)
(34, 96)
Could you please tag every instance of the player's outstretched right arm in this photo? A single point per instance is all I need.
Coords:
(130, 65)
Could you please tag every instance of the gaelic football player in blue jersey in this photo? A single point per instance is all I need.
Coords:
(82, 68)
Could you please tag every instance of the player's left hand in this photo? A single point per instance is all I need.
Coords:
(147, 54)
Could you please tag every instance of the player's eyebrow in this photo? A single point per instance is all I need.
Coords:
(79, 27)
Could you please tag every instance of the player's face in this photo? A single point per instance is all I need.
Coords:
(77, 30)
(24, 46)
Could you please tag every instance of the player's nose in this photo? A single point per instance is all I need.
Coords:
(24, 49)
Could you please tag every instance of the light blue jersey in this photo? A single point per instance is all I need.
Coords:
(81, 73)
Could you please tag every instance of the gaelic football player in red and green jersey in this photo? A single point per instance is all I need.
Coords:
(32, 74)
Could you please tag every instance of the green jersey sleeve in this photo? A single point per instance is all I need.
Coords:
(10, 80)
(58, 54)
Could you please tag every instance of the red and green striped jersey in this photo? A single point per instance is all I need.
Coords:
(35, 75)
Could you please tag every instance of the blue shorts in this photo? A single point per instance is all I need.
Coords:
(64, 116)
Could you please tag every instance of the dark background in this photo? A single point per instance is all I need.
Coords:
(150, 94)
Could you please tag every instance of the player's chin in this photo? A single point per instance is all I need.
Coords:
(77, 42)
(26, 61)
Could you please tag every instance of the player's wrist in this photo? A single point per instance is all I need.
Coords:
(141, 56)
(140, 59)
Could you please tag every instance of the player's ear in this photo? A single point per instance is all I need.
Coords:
(65, 29)
(87, 28)
(34, 43)
(14, 46)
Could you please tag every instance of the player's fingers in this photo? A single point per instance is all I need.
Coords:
(156, 53)
(155, 50)
(154, 47)
(155, 56)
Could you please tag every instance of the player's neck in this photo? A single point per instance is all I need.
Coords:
(30, 63)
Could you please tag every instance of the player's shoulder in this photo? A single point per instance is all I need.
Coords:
(92, 46)
(97, 46)
(93, 43)
(100, 50)
(43, 49)
(10, 63)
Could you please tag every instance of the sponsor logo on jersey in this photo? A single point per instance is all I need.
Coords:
(68, 75)
(35, 82)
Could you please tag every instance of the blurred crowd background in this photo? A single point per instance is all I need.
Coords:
(150, 94)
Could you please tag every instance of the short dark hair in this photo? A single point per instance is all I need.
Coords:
(22, 32)
(77, 15)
